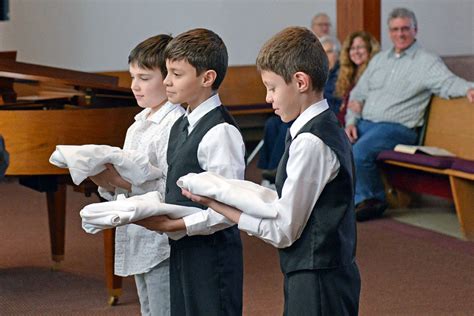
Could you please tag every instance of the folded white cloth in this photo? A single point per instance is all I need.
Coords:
(246, 196)
(99, 216)
(88, 160)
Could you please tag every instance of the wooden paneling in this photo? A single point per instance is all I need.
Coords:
(242, 85)
(32, 136)
(358, 15)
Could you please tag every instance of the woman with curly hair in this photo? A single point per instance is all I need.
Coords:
(357, 50)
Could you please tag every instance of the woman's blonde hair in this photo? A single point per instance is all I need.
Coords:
(349, 72)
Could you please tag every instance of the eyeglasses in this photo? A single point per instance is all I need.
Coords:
(403, 29)
(354, 48)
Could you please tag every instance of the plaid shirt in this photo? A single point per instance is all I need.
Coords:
(397, 87)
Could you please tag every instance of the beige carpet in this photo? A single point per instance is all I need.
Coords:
(405, 270)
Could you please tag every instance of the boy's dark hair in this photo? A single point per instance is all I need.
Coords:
(201, 48)
(150, 54)
(295, 49)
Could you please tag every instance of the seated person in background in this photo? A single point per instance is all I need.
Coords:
(388, 103)
(272, 149)
(332, 48)
(4, 158)
(357, 50)
(275, 130)
(321, 25)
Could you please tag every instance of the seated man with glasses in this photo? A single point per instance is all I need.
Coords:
(321, 25)
(387, 105)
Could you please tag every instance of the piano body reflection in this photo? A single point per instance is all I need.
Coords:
(41, 107)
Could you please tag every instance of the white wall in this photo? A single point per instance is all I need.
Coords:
(97, 35)
(445, 27)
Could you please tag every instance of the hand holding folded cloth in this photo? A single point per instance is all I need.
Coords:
(89, 160)
(99, 216)
(246, 196)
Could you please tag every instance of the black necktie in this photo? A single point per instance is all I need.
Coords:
(288, 139)
(183, 130)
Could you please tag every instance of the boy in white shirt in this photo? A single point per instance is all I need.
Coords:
(314, 228)
(206, 271)
(138, 251)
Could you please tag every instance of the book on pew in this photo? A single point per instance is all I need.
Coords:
(428, 150)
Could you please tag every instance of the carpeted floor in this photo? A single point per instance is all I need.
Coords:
(405, 270)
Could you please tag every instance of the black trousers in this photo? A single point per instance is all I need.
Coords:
(206, 275)
(331, 292)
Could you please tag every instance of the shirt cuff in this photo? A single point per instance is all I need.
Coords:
(136, 190)
(196, 224)
(249, 224)
(106, 194)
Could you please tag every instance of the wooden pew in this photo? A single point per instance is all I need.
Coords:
(449, 126)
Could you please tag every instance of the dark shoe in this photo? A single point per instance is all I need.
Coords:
(370, 209)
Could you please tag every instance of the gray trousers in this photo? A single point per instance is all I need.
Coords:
(154, 290)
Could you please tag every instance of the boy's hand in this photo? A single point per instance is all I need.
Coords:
(110, 179)
(230, 212)
(116, 180)
(102, 180)
(162, 223)
(197, 198)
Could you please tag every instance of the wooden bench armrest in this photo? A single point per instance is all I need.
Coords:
(417, 167)
(460, 174)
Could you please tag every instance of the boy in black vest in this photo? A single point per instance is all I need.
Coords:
(315, 227)
(206, 265)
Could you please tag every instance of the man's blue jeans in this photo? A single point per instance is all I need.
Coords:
(372, 139)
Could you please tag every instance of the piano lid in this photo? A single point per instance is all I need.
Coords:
(24, 71)
(18, 80)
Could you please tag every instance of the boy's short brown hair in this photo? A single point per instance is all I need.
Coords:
(150, 54)
(203, 49)
(295, 49)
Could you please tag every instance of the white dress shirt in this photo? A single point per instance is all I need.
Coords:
(311, 165)
(221, 151)
(137, 249)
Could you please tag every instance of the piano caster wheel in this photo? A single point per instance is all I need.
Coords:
(112, 301)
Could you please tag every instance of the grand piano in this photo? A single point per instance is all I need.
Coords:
(42, 106)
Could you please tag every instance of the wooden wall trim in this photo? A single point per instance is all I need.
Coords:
(358, 15)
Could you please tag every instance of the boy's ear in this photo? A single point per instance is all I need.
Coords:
(208, 78)
(303, 81)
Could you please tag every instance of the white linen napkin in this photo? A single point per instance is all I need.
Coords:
(99, 216)
(88, 160)
(249, 197)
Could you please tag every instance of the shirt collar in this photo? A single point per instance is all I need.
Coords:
(314, 110)
(410, 51)
(158, 116)
(202, 109)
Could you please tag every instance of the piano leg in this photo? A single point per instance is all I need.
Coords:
(55, 188)
(113, 282)
(57, 222)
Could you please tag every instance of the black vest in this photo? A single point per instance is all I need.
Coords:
(182, 159)
(329, 237)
